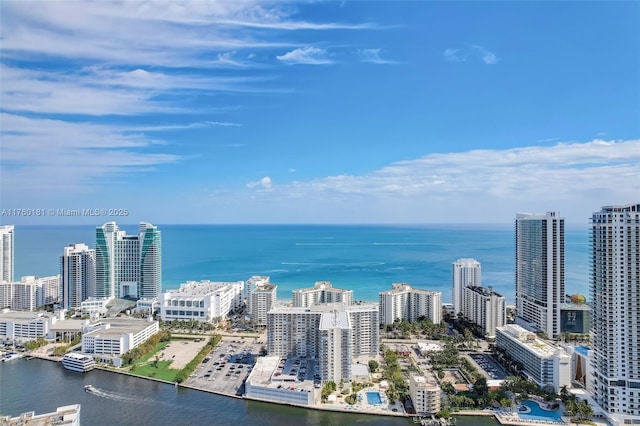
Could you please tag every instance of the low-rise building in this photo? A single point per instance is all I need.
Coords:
(321, 292)
(95, 306)
(425, 395)
(201, 301)
(408, 303)
(22, 326)
(116, 336)
(148, 306)
(546, 365)
(69, 415)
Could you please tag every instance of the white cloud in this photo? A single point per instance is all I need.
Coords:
(264, 183)
(373, 56)
(471, 52)
(308, 55)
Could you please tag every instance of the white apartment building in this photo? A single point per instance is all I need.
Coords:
(251, 285)
(485, 308)
(262, 299)
(615, 311)
(30, 293)
(128, 265)
(540, 274)
(116, 336)
(425, 395)
(148, 306)
(6, 253)
(201, 301)
(24, 326)
(546, 365)
(77, 269)
(465, 272)
(324, 332)
(406, 302)
(321, 292)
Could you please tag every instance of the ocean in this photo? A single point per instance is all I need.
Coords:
(367, 259)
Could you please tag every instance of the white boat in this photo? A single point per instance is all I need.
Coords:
(78, 362)
(89, 388)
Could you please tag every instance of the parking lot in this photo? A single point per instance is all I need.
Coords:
(227, 366)
(492, 369)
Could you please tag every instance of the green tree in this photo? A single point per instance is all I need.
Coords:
(373, 365)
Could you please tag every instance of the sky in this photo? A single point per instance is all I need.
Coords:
(317, 112)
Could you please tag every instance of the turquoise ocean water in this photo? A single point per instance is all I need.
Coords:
(367, 259)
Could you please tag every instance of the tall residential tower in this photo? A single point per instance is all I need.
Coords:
(77, 269)
(464, 273)
(615, 321)
(6, 253)
(540, 271)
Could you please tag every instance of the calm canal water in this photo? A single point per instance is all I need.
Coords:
(42, 386)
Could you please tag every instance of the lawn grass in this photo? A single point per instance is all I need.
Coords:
(147, 367)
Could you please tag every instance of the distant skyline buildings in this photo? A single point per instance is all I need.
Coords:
(465, 272)
(539, 271)
(6, 252)
(615, 316)
(128, 265)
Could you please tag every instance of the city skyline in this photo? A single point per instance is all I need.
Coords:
(268, 112)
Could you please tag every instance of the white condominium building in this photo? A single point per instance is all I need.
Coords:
(30, 293)
(546, 365)
(128, 265)
(485, 308)
(117, 336)
(615, 311)
(321, 292)
(406, 302)
(262, 299)
(540, 275)
(6, 253)
(464, 273)
(77, 269)
(425, 395)
(201, 301)
(251, 284)
(324, 332)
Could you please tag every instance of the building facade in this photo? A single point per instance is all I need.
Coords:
(117, 336)
(546, 365)
(201, 301)
(486, 309)
(78, 274)
(25, 326)
(464, 273)
(262, 299)
(540, 272)
(425, 395)
(406, 302)
(128, 265)
(321, 292)
(332, 333)
(6, 253)
(575, 319)
(30, 293)
(615, 319)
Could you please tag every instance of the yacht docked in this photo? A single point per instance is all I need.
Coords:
(78, 362)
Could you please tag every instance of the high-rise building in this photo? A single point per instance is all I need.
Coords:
(321, 292)
(332, 333)
(464, 273)
(540, 271)
(128, 265)
(615, 319)
(406, 302)
(77, 269)
(30, 293)
(6, 253)
(485, 308)
(262, 299)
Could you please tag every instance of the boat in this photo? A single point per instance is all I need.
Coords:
(89, 388)
(78, 362)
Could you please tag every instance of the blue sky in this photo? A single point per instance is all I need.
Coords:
(319, 112)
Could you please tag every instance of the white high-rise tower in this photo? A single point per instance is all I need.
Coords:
(6, 253)
(615, 319)
(465, 273)
(540, 271)
(77, 270)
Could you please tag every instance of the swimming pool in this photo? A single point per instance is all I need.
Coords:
(537, 413)
(373, 398)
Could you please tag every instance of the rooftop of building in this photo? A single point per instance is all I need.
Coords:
(9, 315)
(324, 307)
(69, 414)
(574, 307)
(321, 285)
(265, 287)
(334, 319)
(529, 340)
(398, 288)
(264, 371)
(202, 288)
(425, 382)
(484, 291)
(119, 326)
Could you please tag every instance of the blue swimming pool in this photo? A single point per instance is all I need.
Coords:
(537, 413)
(373, 398)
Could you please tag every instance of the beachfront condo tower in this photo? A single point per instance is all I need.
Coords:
(540, 272)
(464, 273)
(128, 265)
(615, 319)
(6, 253)
(77, 269)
